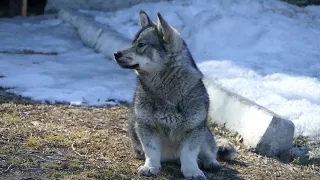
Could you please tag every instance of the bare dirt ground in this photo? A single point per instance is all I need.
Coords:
(67, 142)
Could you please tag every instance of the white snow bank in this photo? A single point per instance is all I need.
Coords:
(267, 51)
(77, 74)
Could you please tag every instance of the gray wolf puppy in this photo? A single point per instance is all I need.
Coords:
(168, 120)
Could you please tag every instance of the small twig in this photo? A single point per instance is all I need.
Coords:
(47, 160)
(28, 169)
(56, 158)
(107, 160)
(38, 157)
(28, 51)
(119, 128)
(3, 142)
(9, 167)
(32, 151)
(74, 150)
(53, 159)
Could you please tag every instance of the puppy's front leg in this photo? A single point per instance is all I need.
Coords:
(152, 150)
(189, 154)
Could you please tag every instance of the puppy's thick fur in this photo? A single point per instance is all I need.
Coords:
(168, 120)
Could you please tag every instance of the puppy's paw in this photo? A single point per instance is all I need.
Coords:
(203, 177)
(194, 174)
(212, 166)
(149, 171)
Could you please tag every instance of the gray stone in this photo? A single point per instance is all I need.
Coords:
(262, 130)
(298, 155)
(301, 154)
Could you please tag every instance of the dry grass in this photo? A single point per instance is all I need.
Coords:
(68, 142)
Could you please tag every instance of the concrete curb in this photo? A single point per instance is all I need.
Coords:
(262, 130)
(93, 34)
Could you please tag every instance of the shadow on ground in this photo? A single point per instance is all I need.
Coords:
(172, 171)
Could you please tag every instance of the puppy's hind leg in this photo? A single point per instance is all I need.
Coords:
(208, 153)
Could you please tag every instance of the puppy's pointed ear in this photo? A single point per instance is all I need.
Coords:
(164, 28)
(169, 35)
(145, 20)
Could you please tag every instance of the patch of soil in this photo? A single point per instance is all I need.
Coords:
(40, 141)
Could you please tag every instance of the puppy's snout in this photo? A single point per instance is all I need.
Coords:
(117, 54)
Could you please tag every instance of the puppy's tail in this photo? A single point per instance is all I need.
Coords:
(226, 149)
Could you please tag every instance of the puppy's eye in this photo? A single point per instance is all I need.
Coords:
(141, 45)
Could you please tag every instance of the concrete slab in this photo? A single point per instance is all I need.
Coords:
(262, 130)
(93, 34)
